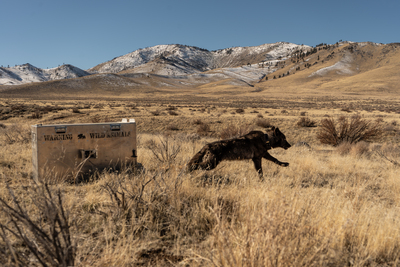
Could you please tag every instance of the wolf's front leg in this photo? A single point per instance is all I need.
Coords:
(257, 165)
(274, 160)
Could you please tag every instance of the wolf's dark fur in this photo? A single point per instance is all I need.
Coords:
(254, 146)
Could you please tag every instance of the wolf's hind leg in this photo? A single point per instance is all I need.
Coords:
(209, 162)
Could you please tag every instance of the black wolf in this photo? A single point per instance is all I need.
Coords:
(254, 146)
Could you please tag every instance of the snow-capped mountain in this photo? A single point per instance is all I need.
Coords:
(189, 59)
(27, 73)
(178, 61)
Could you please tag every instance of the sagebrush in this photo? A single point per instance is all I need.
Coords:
(351, 130)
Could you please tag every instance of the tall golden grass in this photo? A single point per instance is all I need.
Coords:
(330, 207)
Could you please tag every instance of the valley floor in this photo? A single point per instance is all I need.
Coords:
(333, 206)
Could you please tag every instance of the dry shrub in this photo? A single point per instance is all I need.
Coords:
(18, 107)
(132, 106)
(155, 112)
(239, 111)
(99, 119)
(263, 123)
(184, 137)
(233, 131)
(165, 149)
(351, 130)
(96, 119)
(198, 121)
(35, 115)
(16, 133)
(171, 108)
(172, 127)
(203, 129)
(390, 128)
(306, 122)
(46, 237)
(172, 113)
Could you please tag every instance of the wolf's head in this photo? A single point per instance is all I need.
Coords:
(276, 138)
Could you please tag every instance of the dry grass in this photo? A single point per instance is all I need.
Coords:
(331, 207)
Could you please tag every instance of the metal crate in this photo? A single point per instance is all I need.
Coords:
(78, 150)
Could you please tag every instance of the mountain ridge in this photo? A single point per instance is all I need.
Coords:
(347, 68)
(28, 73)
(168, 60)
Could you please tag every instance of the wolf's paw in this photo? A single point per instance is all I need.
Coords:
(284, 164)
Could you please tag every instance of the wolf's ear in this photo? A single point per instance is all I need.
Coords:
(277, 131)
(272, 128)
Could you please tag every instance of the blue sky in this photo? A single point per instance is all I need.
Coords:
(84, 33)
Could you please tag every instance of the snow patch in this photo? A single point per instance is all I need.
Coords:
(341, 67)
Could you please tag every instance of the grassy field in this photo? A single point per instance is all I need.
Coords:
(333, 206)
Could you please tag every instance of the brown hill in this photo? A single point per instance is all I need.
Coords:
(364, 69)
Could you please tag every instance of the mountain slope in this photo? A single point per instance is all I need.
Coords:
(167, 60)
(27, 74)
(176, 60)
(349, 68)
(344, 68)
